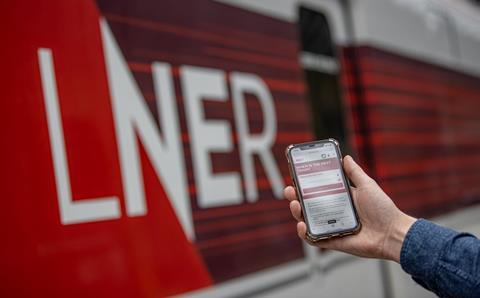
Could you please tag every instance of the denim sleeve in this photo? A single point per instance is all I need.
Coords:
(442, 260)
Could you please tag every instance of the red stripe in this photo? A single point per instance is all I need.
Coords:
(398, 67)
(258, 59)
(188, 33)
(427, 165)
(398, 121)
(283, 46)
(248, 245)
(421, 138)
(323, 187)
(202, 214)
(249, 221)
(261, 233)
(437, 196)
(292, 86)
(282, 137)
(321, 194)
(430, 182)
(404, 83)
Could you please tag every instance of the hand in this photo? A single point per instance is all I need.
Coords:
(384, 226)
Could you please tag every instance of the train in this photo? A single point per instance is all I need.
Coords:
(143, 141)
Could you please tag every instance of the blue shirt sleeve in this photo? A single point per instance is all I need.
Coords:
(442, 260)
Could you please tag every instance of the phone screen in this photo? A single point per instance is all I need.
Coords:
(323, 187)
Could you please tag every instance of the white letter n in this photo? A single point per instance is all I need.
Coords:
(132, 118)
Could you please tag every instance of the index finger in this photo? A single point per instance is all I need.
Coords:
(289, 193)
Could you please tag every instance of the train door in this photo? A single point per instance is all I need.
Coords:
(318, 58)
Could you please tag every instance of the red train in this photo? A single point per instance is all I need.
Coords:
(143, 140)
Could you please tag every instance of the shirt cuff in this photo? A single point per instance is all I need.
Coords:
(422, 248)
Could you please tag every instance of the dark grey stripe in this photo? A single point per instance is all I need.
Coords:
(337, 262)
(279, 284)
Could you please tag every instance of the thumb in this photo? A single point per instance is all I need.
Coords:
(355, 172)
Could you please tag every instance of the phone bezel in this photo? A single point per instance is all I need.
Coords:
(317, 237)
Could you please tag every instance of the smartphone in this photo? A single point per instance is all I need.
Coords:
(322, 189)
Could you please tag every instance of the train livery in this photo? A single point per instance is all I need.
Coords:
(143, 141)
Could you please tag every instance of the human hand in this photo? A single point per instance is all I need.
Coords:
(384, 226)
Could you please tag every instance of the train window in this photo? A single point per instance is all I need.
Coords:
(321, 71)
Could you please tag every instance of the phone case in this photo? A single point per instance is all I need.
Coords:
(312, 237)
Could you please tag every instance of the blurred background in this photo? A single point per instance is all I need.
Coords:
(143, 141)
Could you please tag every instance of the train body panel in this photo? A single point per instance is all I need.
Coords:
(144, 141)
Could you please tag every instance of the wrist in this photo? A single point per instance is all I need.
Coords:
(396, 236)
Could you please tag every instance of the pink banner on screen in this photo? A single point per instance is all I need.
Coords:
(323, 188)
(317, 166)
(320, 194)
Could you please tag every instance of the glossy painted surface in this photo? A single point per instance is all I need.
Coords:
(414, 123)
(145, 255)
(418, 124)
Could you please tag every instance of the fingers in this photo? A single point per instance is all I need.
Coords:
(302, 230)
(355, 172)
(335, 243)
(345, 244)
(296, 210)
(302, 233)
(289, 193)
(295, 207)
